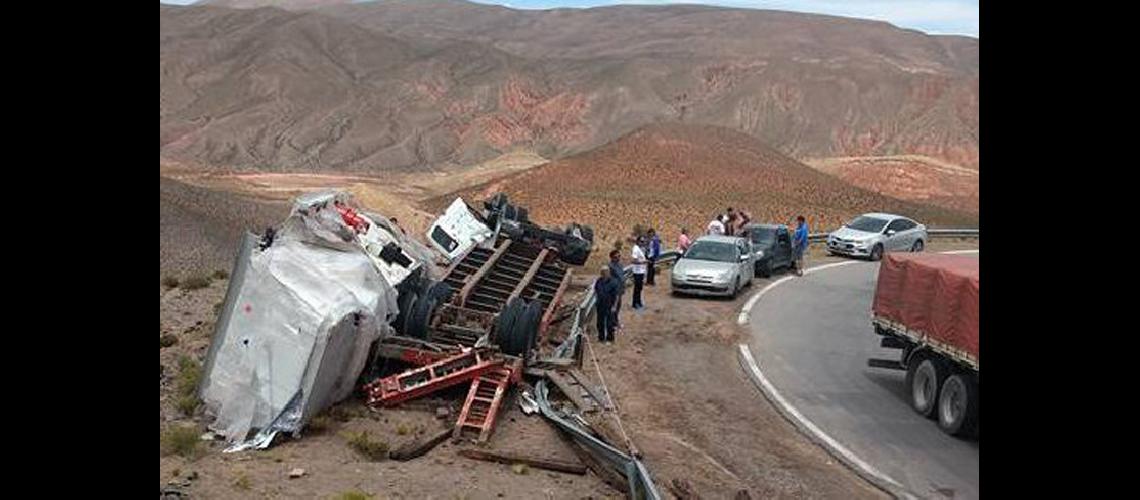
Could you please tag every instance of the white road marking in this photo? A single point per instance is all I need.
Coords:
(815, 432)
(837, 449)
(744, 311)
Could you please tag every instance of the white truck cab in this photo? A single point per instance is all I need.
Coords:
(457, 230)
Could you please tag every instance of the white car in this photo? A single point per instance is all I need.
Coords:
(869, 235)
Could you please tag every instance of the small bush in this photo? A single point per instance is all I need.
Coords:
(179, 440)
(195, 283)
(352, 495)
(221, 274)
(170, 282)
(167, 340)
(520, 469)
(320, 423)
(372, 450)
(402, 429)
(189, 375)
(187, 404)
(242, 482)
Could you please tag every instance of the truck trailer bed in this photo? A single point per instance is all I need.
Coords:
(932, 299)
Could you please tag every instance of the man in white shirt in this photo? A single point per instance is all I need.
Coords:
(640, 267)
(716, 226)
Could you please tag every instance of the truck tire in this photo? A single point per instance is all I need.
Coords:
(917, 246)
(505, 322)
(588, 233)
(417, 325)
(958, 405)
(575, 252)
(525, 330)
(405, 303)
(924, 377)
(877, 252)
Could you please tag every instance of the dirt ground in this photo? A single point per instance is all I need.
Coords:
(683, 399)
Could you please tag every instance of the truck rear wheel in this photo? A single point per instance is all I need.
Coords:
(924, 378)
(958, 405)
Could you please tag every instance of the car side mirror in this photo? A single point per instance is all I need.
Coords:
(744, 258)
(891, 232)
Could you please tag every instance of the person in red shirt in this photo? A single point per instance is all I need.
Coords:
(683, 241)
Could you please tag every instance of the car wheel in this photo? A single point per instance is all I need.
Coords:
(958, 405)
(736, 287)
(924, 378)
(917, 247)
(877, 252)
(766, 270)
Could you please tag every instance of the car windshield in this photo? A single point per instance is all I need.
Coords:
(761, 235)
(868, 224)
(708, 250)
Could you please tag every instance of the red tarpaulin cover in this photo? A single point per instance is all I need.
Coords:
(935, 295)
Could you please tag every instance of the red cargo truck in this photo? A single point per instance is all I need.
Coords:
(926, 305)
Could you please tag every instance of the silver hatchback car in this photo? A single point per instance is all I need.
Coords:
(715, 265)
(869, 235)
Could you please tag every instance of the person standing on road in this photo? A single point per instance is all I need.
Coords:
(683, 241)
(800, 244)
(606, 298)
(618, 275)
(639, 268)
(654, 253)
(716, 226)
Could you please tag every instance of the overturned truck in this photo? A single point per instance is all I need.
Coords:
(323, 298)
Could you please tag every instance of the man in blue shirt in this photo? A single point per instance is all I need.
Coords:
(800, 244)
(654, 253)
(606, 299)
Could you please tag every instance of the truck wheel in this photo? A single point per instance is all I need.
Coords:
(526, 329)
(417, 325)
(405, 303)
(877, 252)
(924, 378)
(958, 405)
(917, 246)
(505, 322)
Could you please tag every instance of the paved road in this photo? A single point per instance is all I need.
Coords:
(811, 338)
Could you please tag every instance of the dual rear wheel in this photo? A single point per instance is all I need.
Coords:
(944, 393)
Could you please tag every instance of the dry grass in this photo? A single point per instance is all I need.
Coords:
(186, 385)
(373, 450)
(196, 282)
(167, 340)
(353, 495)
(180, 440)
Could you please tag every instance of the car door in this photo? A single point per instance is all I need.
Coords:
(909, 232)
(894, 238)
(747, 266)
(783, 250)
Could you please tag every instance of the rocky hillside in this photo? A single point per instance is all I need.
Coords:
(416, 84)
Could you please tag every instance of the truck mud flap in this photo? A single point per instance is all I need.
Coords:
(890, 364)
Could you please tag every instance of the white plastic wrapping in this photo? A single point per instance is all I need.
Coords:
(297, 330)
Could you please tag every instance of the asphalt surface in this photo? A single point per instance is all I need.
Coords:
(812, 337)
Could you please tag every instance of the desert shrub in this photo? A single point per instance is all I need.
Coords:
(367, 447)
(179, 440)
(189, 375)
(352, 495)
(242, 482)
(170, 282)
(195, 283)
(187, 404)
(221, 274)
(167, 340)
(320, 423)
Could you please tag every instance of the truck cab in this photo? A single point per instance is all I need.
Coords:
(457, 230)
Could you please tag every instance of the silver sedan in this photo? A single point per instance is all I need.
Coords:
(869, 235)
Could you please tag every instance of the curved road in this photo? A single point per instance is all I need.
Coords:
(812, 337)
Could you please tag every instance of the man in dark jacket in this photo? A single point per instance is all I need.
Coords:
(654, 253)
(605, 302)
(618, 274)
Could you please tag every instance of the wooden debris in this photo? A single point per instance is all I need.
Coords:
(417, 448)
(511, 459)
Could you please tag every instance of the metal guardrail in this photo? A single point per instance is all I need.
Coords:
(640, 483)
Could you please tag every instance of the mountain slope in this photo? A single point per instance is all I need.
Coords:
(670, 176)
(414, 84)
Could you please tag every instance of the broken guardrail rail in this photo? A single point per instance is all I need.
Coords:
(637, 475)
